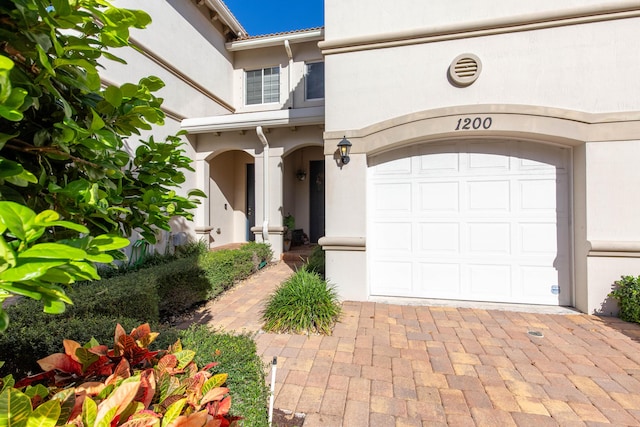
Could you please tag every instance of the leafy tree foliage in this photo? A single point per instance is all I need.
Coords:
(63, 142)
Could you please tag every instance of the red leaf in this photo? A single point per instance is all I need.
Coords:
(100, 350)
(225, 406)
(122, 371)
(60, 362)
(116, 339)
(35, 378)
(167, 363)
(77, 407)
(70, 348)
(92, 388)
(140, 331)
(210, 365)
(199, 419)
(147, 387)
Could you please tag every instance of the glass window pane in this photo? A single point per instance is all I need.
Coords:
(272, 84)
(254, 87)
(315, 80)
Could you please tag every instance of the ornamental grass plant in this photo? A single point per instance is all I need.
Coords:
(305, 303)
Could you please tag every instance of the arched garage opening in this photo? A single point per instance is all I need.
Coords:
(479, 220)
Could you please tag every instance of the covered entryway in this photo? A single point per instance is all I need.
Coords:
(471, 220)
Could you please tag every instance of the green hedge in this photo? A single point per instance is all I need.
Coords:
(236, 355)
(30, 338)
(144, 295)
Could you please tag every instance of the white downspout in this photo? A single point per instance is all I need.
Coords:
(265, 183)
(287, 47)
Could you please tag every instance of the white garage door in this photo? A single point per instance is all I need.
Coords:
(480, 221)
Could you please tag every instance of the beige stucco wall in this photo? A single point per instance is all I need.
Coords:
(563, 81)
(549, 67)
(348, 19)
(292, 90)
(182, 37)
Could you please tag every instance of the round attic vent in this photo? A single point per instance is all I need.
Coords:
(465, 69)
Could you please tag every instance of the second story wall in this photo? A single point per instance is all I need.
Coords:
(578, 63)
(293, 76)
(186, 50)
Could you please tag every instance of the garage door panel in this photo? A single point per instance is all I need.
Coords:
(538, 238)
(471, 221)
(438, 279)
(392, 278)
(539, 282)
(489, 238)
(538, 194)
(439, 196)
(488, 157)
(394, 167)
(439, 163)
(394, 237)
(489, 195)
(393, 198)
(439, 237)
(489, 282)
(532, 157)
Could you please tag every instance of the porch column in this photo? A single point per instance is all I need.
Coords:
(275, 230)
(202, 212)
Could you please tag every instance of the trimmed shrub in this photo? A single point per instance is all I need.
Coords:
(236, 355)
(33, 335)
(132, 295)
(627, 292)
(303, 303)
(141, 296)
(180, 285)
(262, 251)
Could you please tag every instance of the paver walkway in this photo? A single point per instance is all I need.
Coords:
(397, 365)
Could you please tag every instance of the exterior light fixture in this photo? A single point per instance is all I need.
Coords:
(301, 175)
(344, 146)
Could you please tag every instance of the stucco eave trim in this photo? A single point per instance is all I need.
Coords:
(180, 75)
(245, 121)
(526, 122)
(528, 22)
(614, 248)
(338, 243)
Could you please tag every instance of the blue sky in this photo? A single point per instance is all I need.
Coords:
(260, 17)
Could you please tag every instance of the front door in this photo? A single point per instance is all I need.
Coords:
(316, 200)
(251, 201)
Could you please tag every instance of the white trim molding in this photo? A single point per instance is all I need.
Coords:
(245, 121)
(534, 21)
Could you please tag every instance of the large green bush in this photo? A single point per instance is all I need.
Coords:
(236, 355)
(33, 335)
(303, 303)
(145, 295)
(627, 292)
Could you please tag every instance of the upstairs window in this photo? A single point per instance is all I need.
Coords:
(314, 80)
(263, 86)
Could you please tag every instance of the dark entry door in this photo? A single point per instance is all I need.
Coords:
(251, 201)
(316, 200)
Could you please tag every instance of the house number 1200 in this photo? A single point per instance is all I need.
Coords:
(475, 123)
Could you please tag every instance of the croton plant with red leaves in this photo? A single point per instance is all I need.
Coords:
(128, 385)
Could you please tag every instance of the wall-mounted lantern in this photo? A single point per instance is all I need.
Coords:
(301, 175)
(344, 146)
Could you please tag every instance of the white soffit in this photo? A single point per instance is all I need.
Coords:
(225, 16)
(266, 119)
(301, 36)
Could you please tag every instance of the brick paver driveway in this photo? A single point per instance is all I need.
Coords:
(397, 365)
